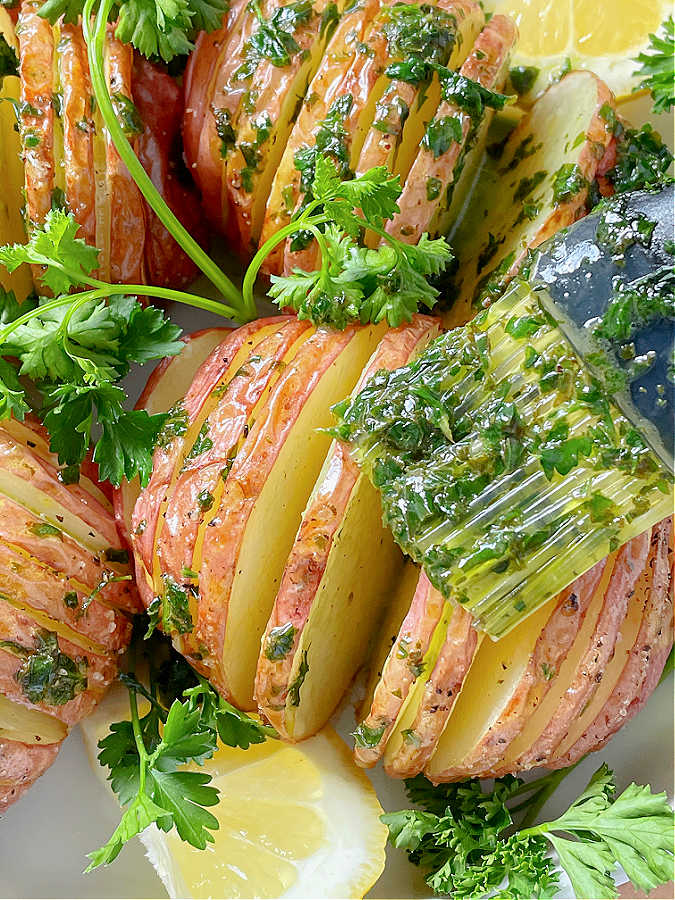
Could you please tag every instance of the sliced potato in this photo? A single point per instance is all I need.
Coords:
(12, 229)
(427, 203)
(263, 125)
(28, 726)
(244, 551)
(196, 492)
(438, 698)
(642, 661)
(404, 110)
(340, 572)
(183, 430)
(386, 634)
(579, 676)
(218, 107)
(80, 675)
(514, 207)
(321, 93)
(407, 659)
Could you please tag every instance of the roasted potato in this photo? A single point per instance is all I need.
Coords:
(71, 163)
(64, 621)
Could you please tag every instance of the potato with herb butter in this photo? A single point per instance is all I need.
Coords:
(66, 599)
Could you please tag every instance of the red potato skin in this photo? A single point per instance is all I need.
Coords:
(208, 166)
(62, 556)
(20, 767)
(629, 563)
(227, 424)
(36, 51)
(397, 678)
(245, 482)
(551, 647)
(127, 212)
(32, 585)
(378, 145)
(165, 459)
(321, 520)
(326, 85)
(100, 670)
(486, 64)
(78, 149)
(159, 100)
(119, 502)
(25, 464)
(440, 694)
(647, 658)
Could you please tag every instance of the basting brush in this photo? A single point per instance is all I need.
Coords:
(520, 449)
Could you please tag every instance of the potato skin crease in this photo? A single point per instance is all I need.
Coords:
(326, 508)
(647, 658)
(487, 64)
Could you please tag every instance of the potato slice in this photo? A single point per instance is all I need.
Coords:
(386, 634)
(262, 126)
(182, 432)
(640, 657)
(199, 486)
(79, 677)
(20, 766)
(441, 690)
(244, 551)
(404, 110)
(321, 93)
(52, 599)
(512, 674)
(354, 104)
(223, 97)
(407, 659)
(199, 75)
(28, 726)
(513, 207)
(12, 229)
(578, 677)
(332, 594)
(426, 204)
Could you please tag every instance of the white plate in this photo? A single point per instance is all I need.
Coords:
(45, 837)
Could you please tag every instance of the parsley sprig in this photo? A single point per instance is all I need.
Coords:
(75, 347)
(657, 65)
(354, 283)
(147, 755)
(466, 841)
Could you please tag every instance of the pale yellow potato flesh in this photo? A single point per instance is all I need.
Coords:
(562, 127)
(387, 632)
(274, 520)
(28, 726)
(12, 229)
(496, 671)
(541, 713)
(362, 570)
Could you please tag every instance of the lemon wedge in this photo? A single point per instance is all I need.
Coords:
(295, 820)
(602, 37)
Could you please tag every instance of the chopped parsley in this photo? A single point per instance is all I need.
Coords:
(171, 609)
(367, 736)
(279, 641)
(568, 181)
(523, 78)
(298, 681)
(274, 37)
(127, 114)
(441, 134)
(47, 675)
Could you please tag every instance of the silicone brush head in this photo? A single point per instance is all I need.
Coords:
(519, 450)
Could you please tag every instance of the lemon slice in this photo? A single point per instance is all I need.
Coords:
(295, 820)
(602, 37)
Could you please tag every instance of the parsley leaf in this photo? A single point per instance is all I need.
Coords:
(355, 283)
(463, 837)
(9, 61)
(656, 67)
(146, 755)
